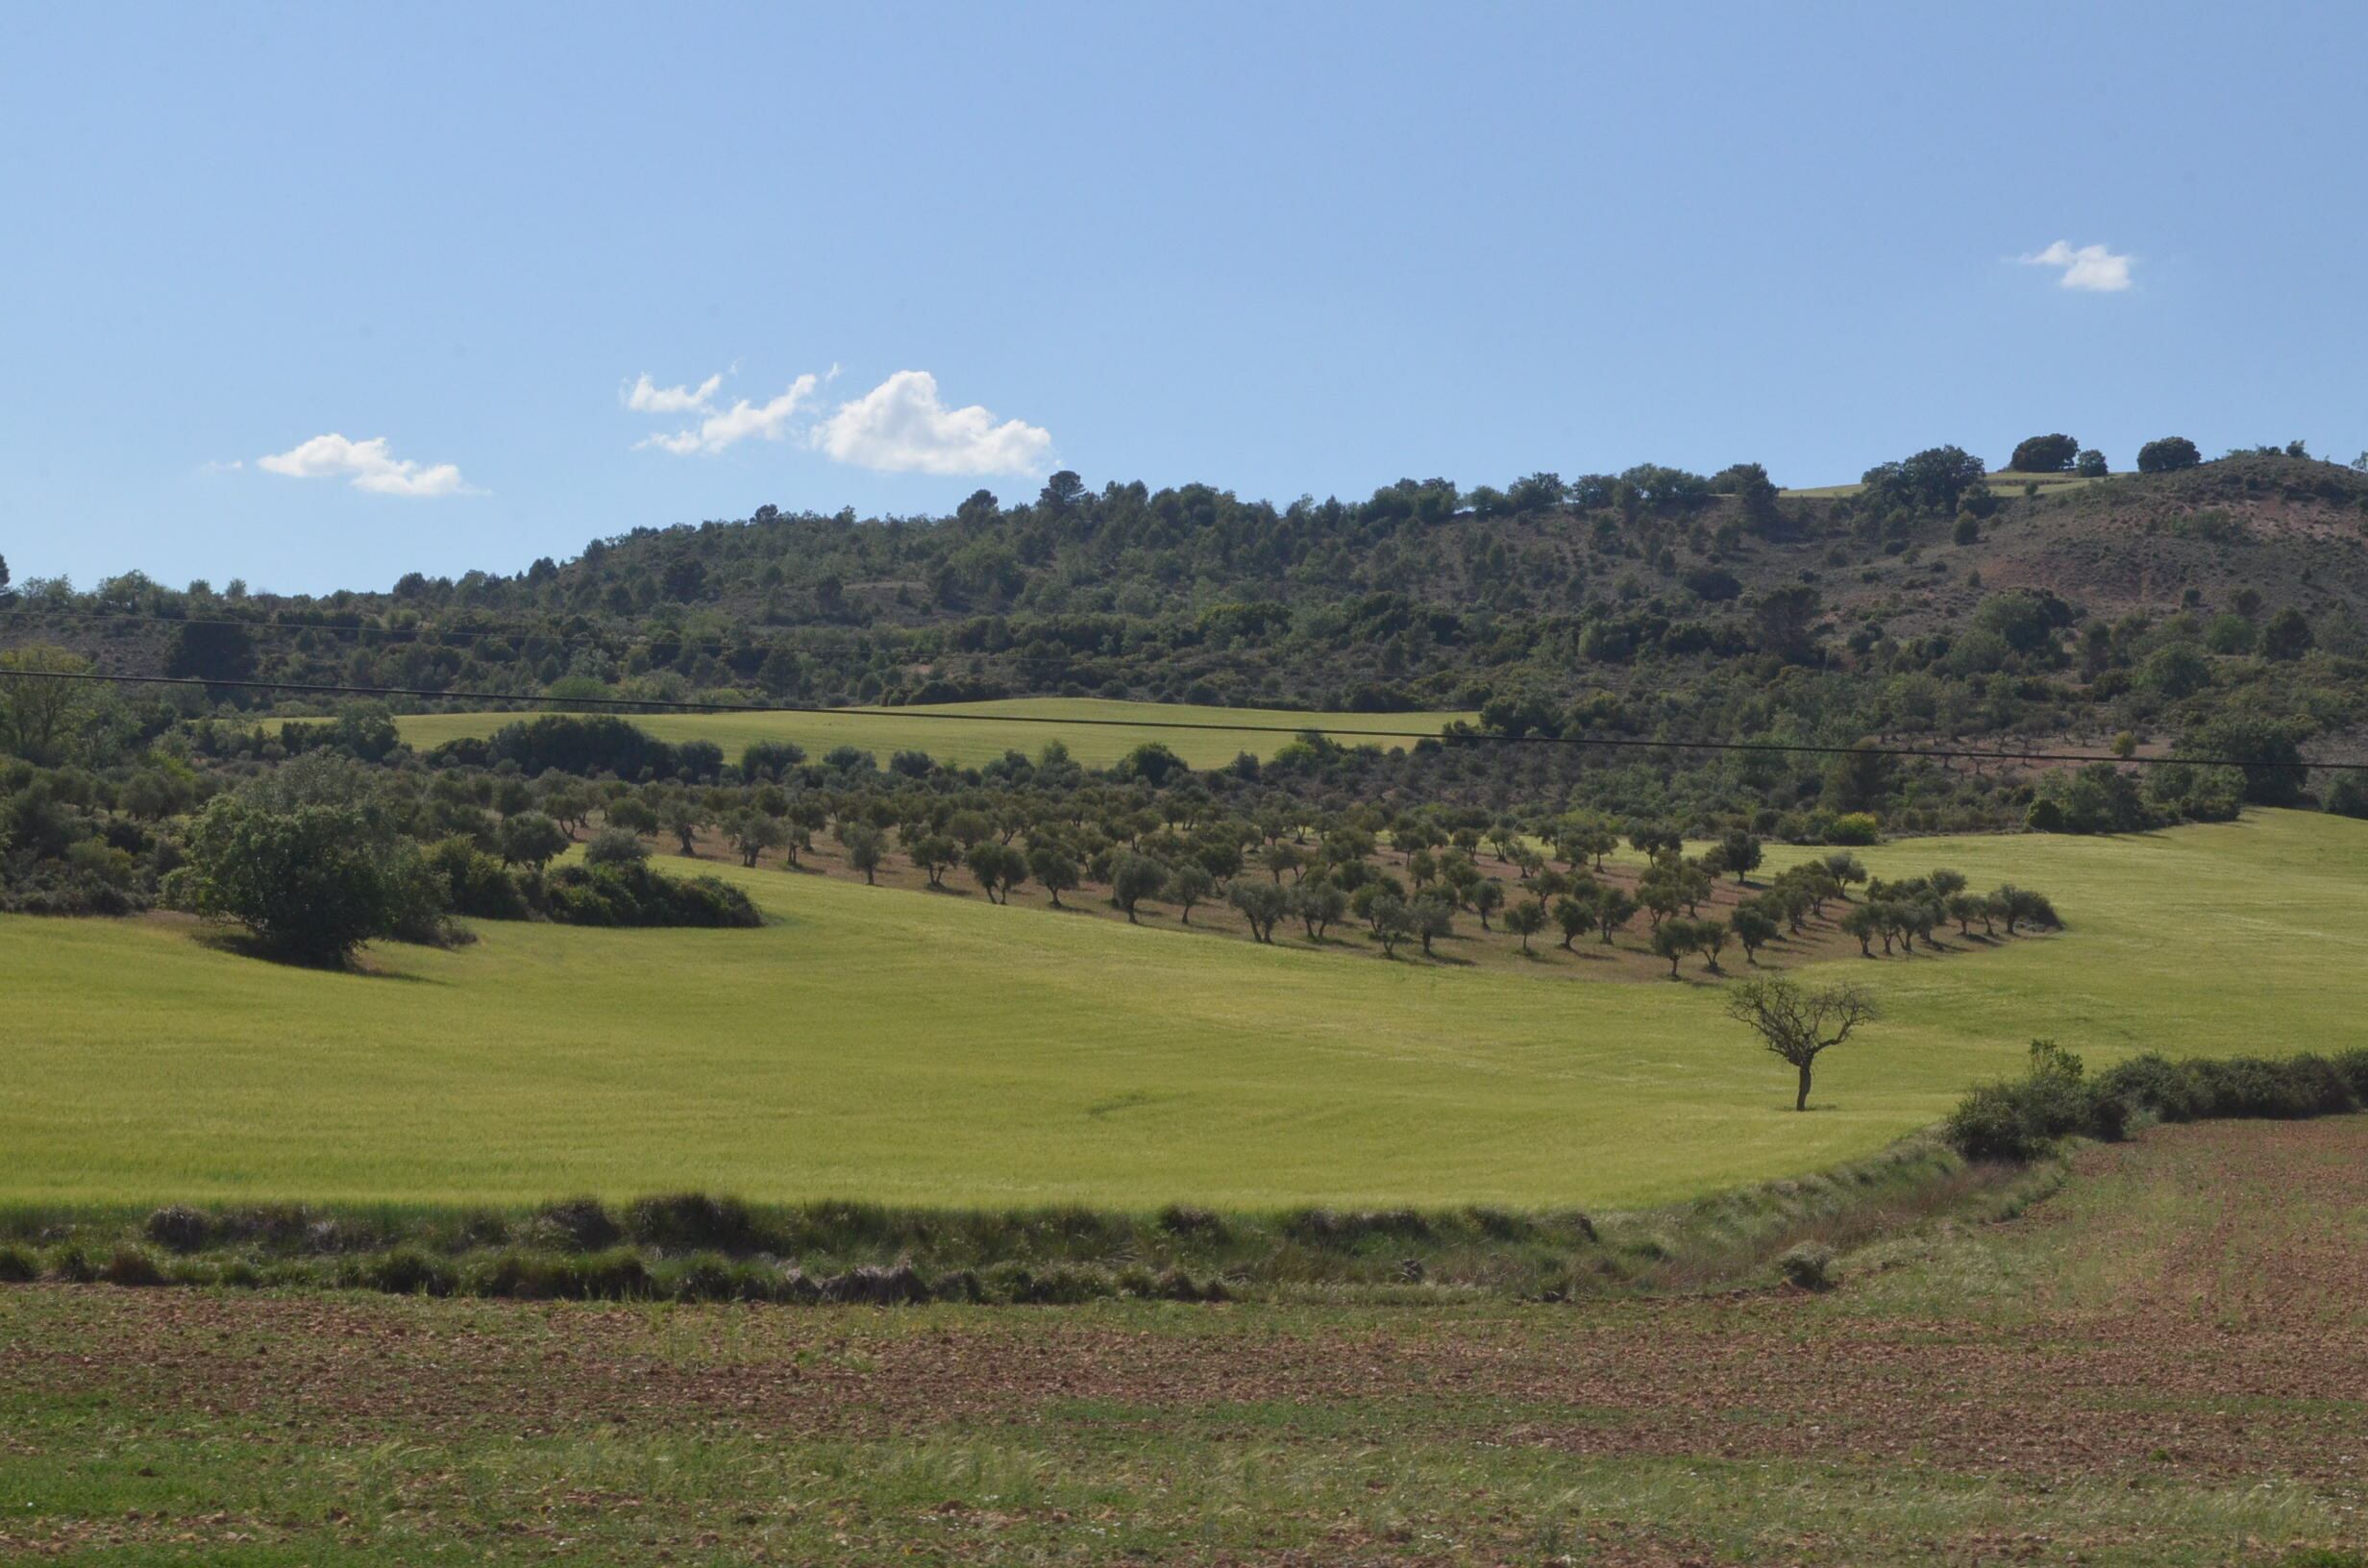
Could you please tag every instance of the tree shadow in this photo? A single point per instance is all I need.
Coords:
(355, 966)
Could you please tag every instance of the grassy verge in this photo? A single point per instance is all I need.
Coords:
(695, 1246)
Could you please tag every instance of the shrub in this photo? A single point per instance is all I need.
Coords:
(585, 745)
(1809, 1267)
(581, 1224)
(312, 884)
(693, 1222)
(276, 1225)
(1854, 828)
(1990, 1123)
(961, 1284)
(179, 1228)
(2021, 1119)
(631, 893)
(131, 1267)
(18, 1266)
(706, 1276)
(69, 1262)
(615, 1275)
(1061, 1285)
(1183, 1220)
(1328, 1228)
(475, 883)
(874, 1285)
(409, 1271)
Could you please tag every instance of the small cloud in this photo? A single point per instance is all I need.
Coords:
(901, 427)
(367, 465)
(645, 398)
(217, 466)
(736, 424)
(2091, 268)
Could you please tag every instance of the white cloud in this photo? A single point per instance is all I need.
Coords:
(901, 427)
(2091, 268)
(645, 398)
(736, 424)
(214, 465)
(368, 466)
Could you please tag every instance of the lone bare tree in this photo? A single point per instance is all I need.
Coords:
(1799, 1024)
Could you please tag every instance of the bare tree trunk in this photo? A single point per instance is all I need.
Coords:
(1802, 1102)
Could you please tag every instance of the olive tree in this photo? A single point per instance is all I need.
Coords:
(1317, 903)
(1798, 1024)
(1135, 878)
(753, 833)
(1055, 868)
(1754, 929)
(1191, 884)
(865, 849)
(1432, 917)
(1391, 921)
(999, 869)
(533, 840)
(1261, 904)
(1525, 919)
(934, 853)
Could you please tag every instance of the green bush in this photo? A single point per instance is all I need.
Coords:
(694, 1222)
(526, 1275)
(409, 1271)
(1809, 1267)
(312, 884)
(2022, 1120)
(1854, 828)
(475, 883)
(580, 1224)
(18, 1264)
(132, 1268)
(179, 1228)
(631, 893)
(69, 1262)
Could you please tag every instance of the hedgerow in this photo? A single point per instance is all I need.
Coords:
(2024, 1118)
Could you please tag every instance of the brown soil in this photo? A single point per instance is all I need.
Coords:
(2156, 1368)
(2183, 1318)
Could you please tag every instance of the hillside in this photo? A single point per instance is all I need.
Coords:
(1411, 599)
(1038, 1057)
(1927, 608)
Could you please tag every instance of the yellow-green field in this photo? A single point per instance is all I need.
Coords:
(1097, 733)
(2006, 483)
(929, 1048)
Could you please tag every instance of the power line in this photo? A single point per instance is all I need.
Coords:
(1467, 737)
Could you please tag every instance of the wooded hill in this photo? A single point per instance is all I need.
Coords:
(1929, 602)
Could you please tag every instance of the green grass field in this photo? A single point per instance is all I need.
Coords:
(953, 732)
(2006, 483)
(927, 1048)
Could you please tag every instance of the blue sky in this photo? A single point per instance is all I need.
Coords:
(1284, 249)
